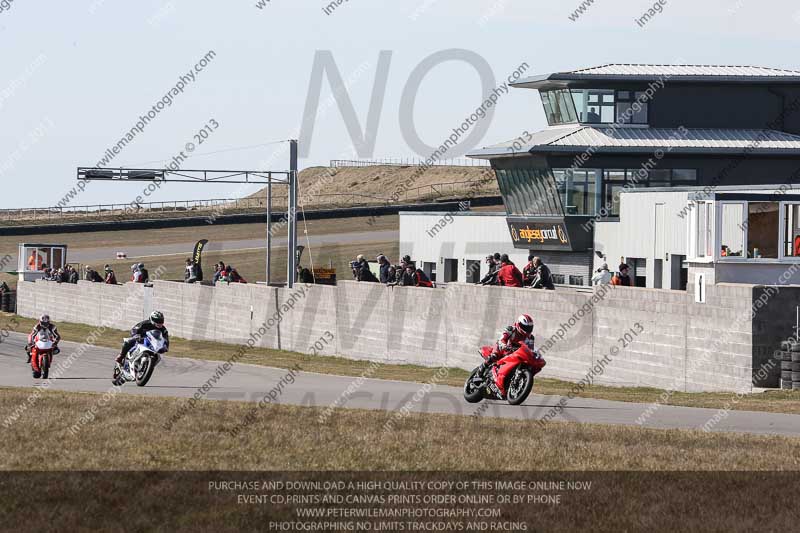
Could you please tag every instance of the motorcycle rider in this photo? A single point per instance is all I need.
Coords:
(511, 338)
(43, 324)
(156, 321)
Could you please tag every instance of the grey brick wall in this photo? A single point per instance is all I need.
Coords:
(682, 346)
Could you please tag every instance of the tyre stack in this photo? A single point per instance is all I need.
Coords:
(790, 365)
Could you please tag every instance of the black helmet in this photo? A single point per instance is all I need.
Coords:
(44, 319)
(157, 318)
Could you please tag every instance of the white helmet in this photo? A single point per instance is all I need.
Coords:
(524, 324)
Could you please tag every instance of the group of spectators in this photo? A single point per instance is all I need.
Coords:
(225, 273)
(620, 278)
(406, 274)
(68, 274)
(503, 272)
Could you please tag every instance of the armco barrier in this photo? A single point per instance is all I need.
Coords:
(681, 345)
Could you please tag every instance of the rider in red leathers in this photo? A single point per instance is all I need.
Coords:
(511, 337)
(43, 324)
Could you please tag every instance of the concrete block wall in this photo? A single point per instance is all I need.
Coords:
(362, 320)
(650, 354)
(719, 340)
(309, 321)
(683, 345)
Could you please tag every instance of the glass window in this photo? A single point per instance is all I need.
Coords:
(576, 188)
(594, 106)
(762, 230)
(559, 108)
(558, 279)
(615, 175)
(611, 198)
(732, 241)
(637, 176)
(529, 192)
(659, 178)
(35, 259)
(631, 109)
(683, 174)
(705, 223)
(791, 233)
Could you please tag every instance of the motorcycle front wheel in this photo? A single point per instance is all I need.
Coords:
(520, 385)
(473, 393)
(144, 371)
(44, 365)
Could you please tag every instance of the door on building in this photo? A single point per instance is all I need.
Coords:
(430, 270)
(473, 271)
(679, 274)
(659, 245)
(450, 270)
(638, 267)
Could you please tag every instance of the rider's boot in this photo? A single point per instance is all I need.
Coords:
(120, 358)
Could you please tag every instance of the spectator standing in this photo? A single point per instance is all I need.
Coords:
(622, 278)
(73, 275)
(394, 276)
(92, 275)
(111, 277)
(385, 266)
(491, 277)
(542, 279)
(529, 272)
(190, 273)
(602, 276)
(219, 272)
(4, 288)
(35, 261)
(141, 275)
(362, 271)
(418, 277)
(508, 275)
(233, 276)
(304, 275)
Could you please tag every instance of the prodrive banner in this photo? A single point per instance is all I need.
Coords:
(197, 257)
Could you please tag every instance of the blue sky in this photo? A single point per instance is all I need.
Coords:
(77, 75)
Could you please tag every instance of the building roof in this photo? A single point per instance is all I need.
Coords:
(622, 72)
(578, 138)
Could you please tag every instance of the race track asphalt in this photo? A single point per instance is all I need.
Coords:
(92, 255)
(182, 378)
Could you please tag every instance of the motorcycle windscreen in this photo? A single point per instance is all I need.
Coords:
(155, 341)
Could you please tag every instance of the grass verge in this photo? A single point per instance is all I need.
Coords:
(777, 401)
(285, 437)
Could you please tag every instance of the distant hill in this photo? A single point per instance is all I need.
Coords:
(325, 185)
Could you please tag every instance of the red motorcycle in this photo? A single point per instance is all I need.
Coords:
(42, 351)
(509, 378)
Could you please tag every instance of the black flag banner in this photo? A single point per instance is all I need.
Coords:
(197, 257)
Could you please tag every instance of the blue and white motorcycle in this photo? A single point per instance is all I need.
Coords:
(141, 360)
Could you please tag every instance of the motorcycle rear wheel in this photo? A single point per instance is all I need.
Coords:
(473, 393)
(143, 376)
(518, 390)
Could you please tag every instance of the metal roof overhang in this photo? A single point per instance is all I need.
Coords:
(491, 152)
(562, 80)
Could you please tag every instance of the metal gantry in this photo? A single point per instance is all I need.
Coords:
(264, 177)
